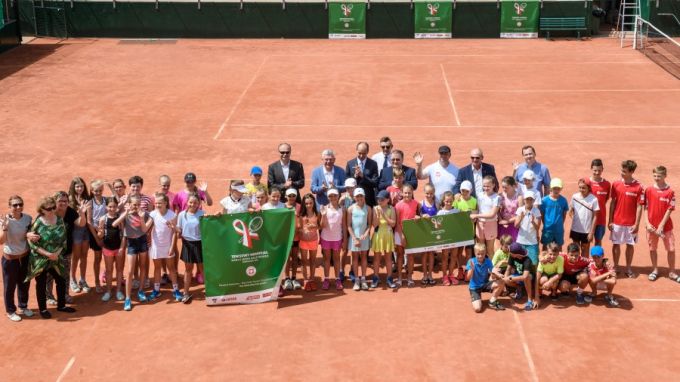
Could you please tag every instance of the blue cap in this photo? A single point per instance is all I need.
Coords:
(596, 251)
(517, 249)
(383, 195)
(256, 170)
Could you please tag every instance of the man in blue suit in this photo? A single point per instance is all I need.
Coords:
(397, 162)
(365, 171)
(475, 172)
(327, 176)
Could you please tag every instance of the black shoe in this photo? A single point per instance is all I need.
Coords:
(66, 309)
(45, 314)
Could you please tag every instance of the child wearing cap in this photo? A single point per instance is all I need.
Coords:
(659, 201)
(575, 273)
(333, 234)
(237, 201)
(180, 201)
(382, 243)
(487, 218)
(483, 277)
(255, 183)
(554, 208)
(464, 202)
(290, 282)
(346, 200)
(549, 272)
(528, 223)
(600, 271)
(359, 222)
(583, 210)
(529, 184)
(520, 273)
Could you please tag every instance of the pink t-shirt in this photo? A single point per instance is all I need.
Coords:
(333, 232)
(405, 211)
(180, 201)
(509, 206)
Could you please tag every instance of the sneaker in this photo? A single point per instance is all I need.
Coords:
(26, 312)
(287, 285)
(200, 279)
(135, 284)
(410, 283)
(177, 295)
(45, 314)
(579, 299)
(454, 281)
(14, 317)
(128, 305)
(529, 306)
(431, 281)
(154, 294)
(398, 283)
(147, 283)
(83, 286)
(424, 281)
(496, 305)
(587, 298)
(357, 287)
(611, 301)
(296, 285)
(338, 285)
(66, 309)
(120, 296)
(165, 279)
(326, 284)
(74, 286)
(186, 298)
(375, 282)
(106, 297)
(364, 285)
(51, 301)
(98, 289)
(352, 278)
(141, 296)
(341, 276)
(446, 281)
(390, 282)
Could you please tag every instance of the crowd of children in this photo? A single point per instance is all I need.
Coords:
(140, 230)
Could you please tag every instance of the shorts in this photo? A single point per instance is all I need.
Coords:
(532, 252)
(599, 232)
(110, 252)
(579, 237)
(309, 245)
(572, 279)
(334, 245)
(487, 230)
(510, 229)
(476, 294)
(192, 251)
(622, 234)
(93, 243)
(668, 241)
(552, 235)
(80, 235)
(548, 275)
(137, 245)
(159, 252)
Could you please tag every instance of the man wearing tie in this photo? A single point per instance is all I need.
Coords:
(286, 173)
(384, 158)
(365, 171)
(327, 176)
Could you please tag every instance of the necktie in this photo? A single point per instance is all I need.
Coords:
(385, 162)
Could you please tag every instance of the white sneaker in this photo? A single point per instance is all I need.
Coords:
(287, 285)
(51, 301)
(27, 312)
(357, 287)
(297, 285)
(106, 297)
(120, 296)
(14, 317)
(83, 286)
(74, 286)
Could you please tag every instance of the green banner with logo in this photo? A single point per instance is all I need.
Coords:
(519, 19)
(433, 19)
(438, 232)
(244, 255)
(346, 20)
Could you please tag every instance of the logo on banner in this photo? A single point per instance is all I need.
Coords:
(437, 224)
(347, 9)
(249, 233)
(251, 271)
(433, 9)
(519, 8)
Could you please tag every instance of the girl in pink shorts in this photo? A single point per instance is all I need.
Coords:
(111, 236)
(309, 239)
(489, 204)
(333, 233)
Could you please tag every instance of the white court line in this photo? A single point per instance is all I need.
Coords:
(448, 90)
(240, 98)
(68, 366)
(339, 126)
(525, 346)
(458, 140)
(542, 127)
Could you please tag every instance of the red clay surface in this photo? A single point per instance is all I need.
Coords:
(97, 108)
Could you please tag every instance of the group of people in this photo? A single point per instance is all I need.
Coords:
(348, 214)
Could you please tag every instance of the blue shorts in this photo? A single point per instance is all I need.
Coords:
(532, 252)
(599, 232)
(552, 235)
(137, 245)
(80, 235)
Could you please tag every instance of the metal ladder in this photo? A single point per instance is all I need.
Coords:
(625, 23)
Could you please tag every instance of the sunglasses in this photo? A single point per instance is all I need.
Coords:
(48, 209)
(385, 147)
(284, 152)
(17, 205)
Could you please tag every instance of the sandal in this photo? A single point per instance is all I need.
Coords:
(652, 276)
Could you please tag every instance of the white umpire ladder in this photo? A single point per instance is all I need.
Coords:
(625, 23)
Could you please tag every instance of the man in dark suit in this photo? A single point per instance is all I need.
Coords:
(397, 162)
(365, 171)
(286, 173)
(475, 172)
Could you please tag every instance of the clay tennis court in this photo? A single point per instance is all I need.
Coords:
(110, 108)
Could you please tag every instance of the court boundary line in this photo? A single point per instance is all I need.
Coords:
(66, 369)
(457, 141)
(240, 98)
(448, 90)
(525, 347)
(368, 126)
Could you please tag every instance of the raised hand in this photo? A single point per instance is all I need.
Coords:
(418, 157)
(203, 186)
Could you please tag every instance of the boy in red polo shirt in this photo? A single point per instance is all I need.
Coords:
(659, 201)
(601, 188)
(624, 214)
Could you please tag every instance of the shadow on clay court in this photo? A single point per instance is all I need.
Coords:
(23, 56)
(300, 297)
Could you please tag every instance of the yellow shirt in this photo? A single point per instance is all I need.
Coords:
(253, 189)
(551, 268)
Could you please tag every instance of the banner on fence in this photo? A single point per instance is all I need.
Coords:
(346, 20)
(433, 19)
(438, 232)
(519, 19)
(244, 255)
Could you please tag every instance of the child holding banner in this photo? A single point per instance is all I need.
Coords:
(359, 222)
(309, 241)
(464, 202)
(445, 208)
(428, 208)
(407, 209)
(384, 219)
(291, 283)
(188, 226)
(333, 225)
(274, 200)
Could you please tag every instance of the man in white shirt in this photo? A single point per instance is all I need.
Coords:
(442, 173)
(384, 157)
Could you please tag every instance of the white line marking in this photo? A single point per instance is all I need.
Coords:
(654, 299)
(339, 126)
(542, 127)
(240, 98)
(448, 90)
(68, 366)
(438, 141)
(525, 346)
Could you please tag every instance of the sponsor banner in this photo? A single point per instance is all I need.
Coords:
(346, 20)
(519, 19)
(438, 232)
(433, 19)
(244, 255)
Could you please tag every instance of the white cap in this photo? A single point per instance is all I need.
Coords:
(466, 185)
(528, 174)
(240, 188)
(333, 191)
(529, 194)
(350, 182)
(291, 191)
(359, 191)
